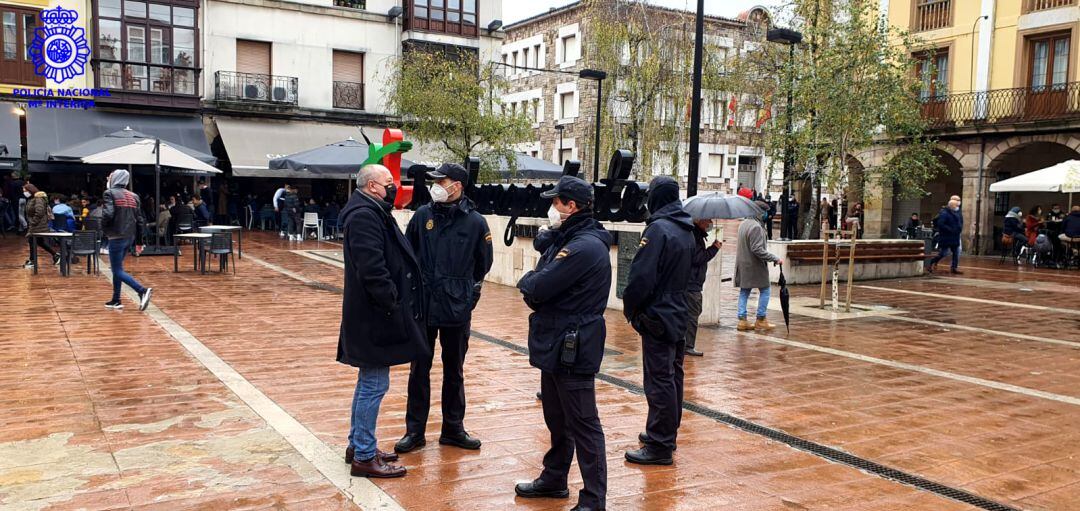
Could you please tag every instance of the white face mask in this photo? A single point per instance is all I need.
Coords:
(554, 217)
(26, 194)
(438, 193)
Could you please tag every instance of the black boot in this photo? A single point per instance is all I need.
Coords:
(537, 490)
(462, 440)
(648, 456)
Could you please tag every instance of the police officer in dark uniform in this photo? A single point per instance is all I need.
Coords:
(453, 243)
(655, 304)
(568, 292)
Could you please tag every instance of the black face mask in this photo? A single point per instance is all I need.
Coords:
(391, 194)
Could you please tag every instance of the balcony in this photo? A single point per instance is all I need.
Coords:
(932, 15)
(1042, 5)
(256, 88)
(349, 95)
(1003, 106)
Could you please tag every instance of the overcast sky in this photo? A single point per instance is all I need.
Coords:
(515, 10)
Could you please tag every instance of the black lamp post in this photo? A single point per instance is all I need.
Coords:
(24, 163)
(560, 128)
(790, 38)
(593, 74)
(695, 103)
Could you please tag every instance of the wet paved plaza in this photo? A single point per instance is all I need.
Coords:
(226, 395)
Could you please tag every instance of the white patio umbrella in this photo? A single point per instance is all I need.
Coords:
(1061, 178)
(141, 152)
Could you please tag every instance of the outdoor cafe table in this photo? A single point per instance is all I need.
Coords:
(229, 228)
(64, 239)
(195, 252)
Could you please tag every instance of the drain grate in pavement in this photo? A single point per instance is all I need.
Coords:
(801, 444)
(325, 287)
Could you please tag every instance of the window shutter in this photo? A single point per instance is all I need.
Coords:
(253, 57)
(348, 67)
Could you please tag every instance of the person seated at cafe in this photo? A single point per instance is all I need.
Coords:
(1033, 223)
(63, 215)
(912, 226)
(312, 207)
(1071, 226)
(202, 213)
(1014, 228)
(163, 220)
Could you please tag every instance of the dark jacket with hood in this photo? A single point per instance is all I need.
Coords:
(37, 212)
(699, 262)
(382, 320)
(453, 243)
(654, 300)
(568, 291)
(121, 210)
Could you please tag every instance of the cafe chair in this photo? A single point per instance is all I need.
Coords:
(220, 244)
(85, 243)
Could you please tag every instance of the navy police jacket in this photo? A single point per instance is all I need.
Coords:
(453, 244)
(568, 291)
(654, 300)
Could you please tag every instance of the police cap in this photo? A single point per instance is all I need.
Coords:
(571, 188)
(452, 171)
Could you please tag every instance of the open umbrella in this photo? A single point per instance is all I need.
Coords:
(785, 299)
(719, 206)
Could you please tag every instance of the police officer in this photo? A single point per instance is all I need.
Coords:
(453, 243)
(655, 304)
(568, 292)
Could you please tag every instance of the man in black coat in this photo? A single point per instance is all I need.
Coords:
(382, 312)
(655, 304)
(568, 292)
(700, 267)
(453, 243)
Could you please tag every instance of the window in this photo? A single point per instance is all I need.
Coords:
(446, 16)
(569, 46)
(147, 46)
(567, 108)
(932, 15)
(1049, 57)
(17, 26)
(536, 57)
(348, 80)
(933, 73)
(565, 155)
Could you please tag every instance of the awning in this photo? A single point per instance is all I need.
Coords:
(1061, 178)
(251, 144)
(52, 129)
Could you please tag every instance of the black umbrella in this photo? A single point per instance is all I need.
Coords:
(342, 159)
(785, 299)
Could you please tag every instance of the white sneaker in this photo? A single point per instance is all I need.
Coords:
(281, 234)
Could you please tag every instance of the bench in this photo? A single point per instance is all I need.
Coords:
(812, 253)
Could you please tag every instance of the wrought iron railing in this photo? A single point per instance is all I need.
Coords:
(1003, 106)
(349, 95)
(1042, 5)
(932, 15)
(233, 86)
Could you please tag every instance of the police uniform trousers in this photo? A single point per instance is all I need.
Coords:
(571, 417)
(663, 378)
(455, 343)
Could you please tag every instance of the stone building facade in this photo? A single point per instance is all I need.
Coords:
(558, 42)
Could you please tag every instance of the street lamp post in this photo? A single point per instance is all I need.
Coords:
(790, 38)
(695, 103)
(560, 128)
(599, 76)
(24, 160)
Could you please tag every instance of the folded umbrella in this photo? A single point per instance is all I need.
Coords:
(720, 206)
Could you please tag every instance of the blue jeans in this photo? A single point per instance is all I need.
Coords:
(371, 385)
(942, 250)
(118, 249)
(762, 304)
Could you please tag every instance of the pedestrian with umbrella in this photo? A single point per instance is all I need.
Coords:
(699, 264)
(751, 269)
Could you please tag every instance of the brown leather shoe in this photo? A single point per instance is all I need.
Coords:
(375, 468)
(385, 456)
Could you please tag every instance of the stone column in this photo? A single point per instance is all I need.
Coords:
(878, 203)
(985, 220)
